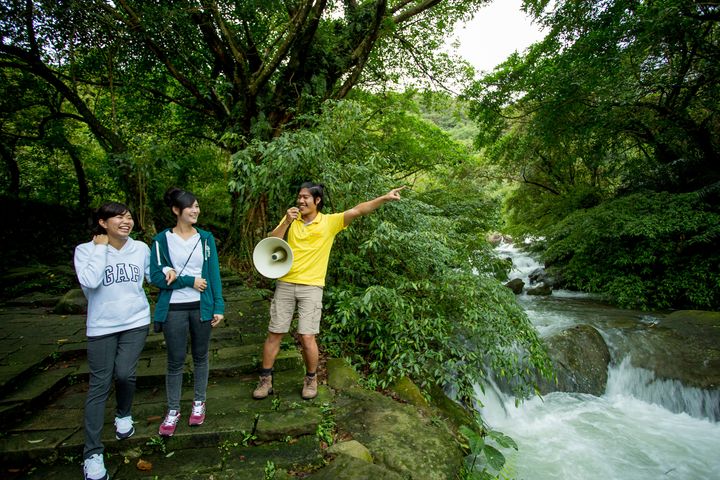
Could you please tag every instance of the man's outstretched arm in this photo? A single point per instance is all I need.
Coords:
(371, 205)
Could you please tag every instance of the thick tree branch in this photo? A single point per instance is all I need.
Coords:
(539, 185)
(34, 65)
(416, 10)
(134, 22)
(204, 21)
(268, 68)
(361, 53)
(235, 48)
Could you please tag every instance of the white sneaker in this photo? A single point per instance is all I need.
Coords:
(124, 427)
(94, 468)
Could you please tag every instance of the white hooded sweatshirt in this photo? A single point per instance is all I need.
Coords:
(112, 282)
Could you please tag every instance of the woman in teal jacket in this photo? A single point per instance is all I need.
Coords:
(184, 265)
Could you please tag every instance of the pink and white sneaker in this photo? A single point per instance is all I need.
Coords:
(197, 417)
(167, 427)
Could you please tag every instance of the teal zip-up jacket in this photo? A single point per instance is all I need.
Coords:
(211, 301)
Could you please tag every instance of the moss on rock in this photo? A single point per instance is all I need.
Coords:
(345, 467)
(451, 411)
(398, 437)
(407, 391)
(72, 302)
(341, 376)
(352, 448)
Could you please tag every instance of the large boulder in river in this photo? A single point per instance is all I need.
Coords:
(580, 357)
(516, 285)
(541, 289)
(684, 346)
(495, 238)
(539, 275)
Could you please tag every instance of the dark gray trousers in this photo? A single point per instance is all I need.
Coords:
(176, 328)
(114, 355)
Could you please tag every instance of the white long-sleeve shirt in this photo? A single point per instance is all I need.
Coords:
(112, 282)
(186, 255)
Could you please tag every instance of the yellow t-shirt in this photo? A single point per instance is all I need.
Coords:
(311, 246)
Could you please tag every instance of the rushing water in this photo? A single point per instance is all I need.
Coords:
(640, 428)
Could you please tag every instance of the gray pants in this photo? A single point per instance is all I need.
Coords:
(176, 327)
(110, 355)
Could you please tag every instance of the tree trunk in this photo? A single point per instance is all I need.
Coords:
(83, 191)
(7, 150)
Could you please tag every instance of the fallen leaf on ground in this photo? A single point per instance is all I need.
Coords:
(144, 465)
(154, 418)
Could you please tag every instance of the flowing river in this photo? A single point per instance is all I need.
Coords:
(640, 428)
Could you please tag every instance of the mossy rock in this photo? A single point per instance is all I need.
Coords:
(72, 302)
(35, 299)
(20, 281)
(407, 391)
(352, 448)
(341, 376)
(580, 358)
(684, 347)
(516, 285)
(542, 290)
(21, 274)
(345, 467)
(398, 437)
(453, 412)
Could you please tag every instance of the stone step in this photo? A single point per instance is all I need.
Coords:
(41, 386)
(55, 432)
(22, 364)
(226, 461)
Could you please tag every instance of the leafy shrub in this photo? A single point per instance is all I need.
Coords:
(410, 292)
(485, 461)
(646, 250)
(410, 288)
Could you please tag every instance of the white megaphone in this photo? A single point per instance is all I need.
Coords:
(272, 257)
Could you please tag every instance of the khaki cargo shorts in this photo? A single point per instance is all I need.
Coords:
(308, 299)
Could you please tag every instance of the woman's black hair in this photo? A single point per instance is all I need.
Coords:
(105, 211)
(176, 197)
(317, 190)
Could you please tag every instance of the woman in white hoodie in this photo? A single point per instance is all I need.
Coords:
(111, 269)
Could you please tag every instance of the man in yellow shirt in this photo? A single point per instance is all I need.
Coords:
(310, 235)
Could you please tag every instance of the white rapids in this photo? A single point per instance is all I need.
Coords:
(641, 428)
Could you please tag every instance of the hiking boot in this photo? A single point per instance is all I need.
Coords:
(94, 468)
(197, 417)
(124, 427)
(309, 388)
(167, 427)
(264, 388)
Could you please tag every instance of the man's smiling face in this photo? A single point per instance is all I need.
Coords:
(306, 203)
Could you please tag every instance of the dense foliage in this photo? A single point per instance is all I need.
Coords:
(646, 249)
(127, 98)
(620, 99)
(409, 290)
(141, 75)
